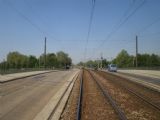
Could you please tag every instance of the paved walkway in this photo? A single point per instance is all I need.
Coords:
(147, 73)
(34, 97)
(10, 77)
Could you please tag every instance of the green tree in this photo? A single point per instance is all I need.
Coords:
(51, 60)
(155, 60)
(81, 63)
(16, 60)
(91, 64)
(63, 59)
(105, 63)
(123, 59)
(32, 61)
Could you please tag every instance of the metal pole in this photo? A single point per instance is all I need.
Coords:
(101, 60)
(136, 51)
(4, 66)
(39, 62)
(98, 63)
(45, 52)
(133, 61)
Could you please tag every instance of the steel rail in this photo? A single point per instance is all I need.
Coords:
(140, 95)
(131, 81)
(143, 98)
(119, 111)
(78, 117)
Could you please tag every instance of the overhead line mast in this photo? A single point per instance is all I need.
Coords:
(136, 51)
(45, 40)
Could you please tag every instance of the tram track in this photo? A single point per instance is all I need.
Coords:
(97, 96)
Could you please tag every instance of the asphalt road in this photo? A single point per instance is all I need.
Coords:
(23, 99)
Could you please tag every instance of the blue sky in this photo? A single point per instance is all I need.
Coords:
(25, 23)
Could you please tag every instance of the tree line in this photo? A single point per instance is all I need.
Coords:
(95, 63)
(16, 60)
(124, 60)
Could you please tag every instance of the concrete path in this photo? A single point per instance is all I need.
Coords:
(147, 73)
(25, 99)
(55, 106)
(10, 77)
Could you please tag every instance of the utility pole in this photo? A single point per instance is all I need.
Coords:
(4, 65)
(136, 51)
(39, 62)
(101, 60)
(45, 52)
(98, 63)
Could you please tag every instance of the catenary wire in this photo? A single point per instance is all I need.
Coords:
(118, 27)
(89, 28)
(28, 20)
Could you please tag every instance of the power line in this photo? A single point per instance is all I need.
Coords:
(123, 16)
(23, 16)
(121, 24)
(89, 28)
(29, 20)
(149, 25)
(125, 13)
(42, 21)
(150, 35)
